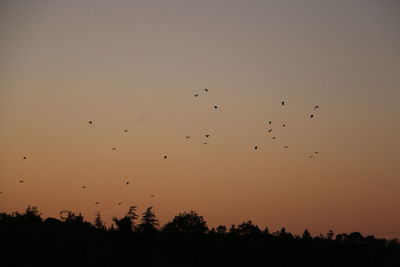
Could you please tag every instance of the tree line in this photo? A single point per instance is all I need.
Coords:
(138, 240)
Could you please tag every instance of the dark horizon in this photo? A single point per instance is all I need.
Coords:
(186, 240)
(108, 222)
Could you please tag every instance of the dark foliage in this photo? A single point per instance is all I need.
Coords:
(28, 240)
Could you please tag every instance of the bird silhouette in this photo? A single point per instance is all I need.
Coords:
(256, 147)
(165, 157)
(270, 130)
(285, 146)
(205, 89)
(114, 148)
(90, 122)
(283, 125)
(196, 95)
(311, 157)
(312, 115)
(127, 183)
(96, 203)
(316, 107)
(207, 135)
(83, 187)
(21, 181)
(24, 158)
(152, 195)
(187, 137)
(316, 152)
(273, 137)
(269, 122)
(283, 103)
(215, 107)
(205, 143)
(119, 203)
(125, 131)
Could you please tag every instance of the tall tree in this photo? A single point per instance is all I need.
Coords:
(98, 222)
(149, 222)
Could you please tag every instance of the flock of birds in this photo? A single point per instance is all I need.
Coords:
(205, 90)
(84, 187)
(269, 123)
(284, 125)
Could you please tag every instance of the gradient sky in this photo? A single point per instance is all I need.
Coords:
(136, 64)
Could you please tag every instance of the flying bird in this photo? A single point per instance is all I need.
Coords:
(270, 122)
(205, 89)
(215, 107)
(21, 181)
(205, 143)
(152, 195)
(125, 131)
(114, 148)
(316, 152)
(207, 135)
(90, 122)
(285, 146)
(316, 107)
(24, 158)
(311, 116)
(255, 147)
(127, 183)
(283, 125)
(96, 203)
(273, 137)
(119, 203)
(283, 103)
(196, 95)
(187, 137)
(83, 187)
(270, 130)
(165, 157)
(311, 156)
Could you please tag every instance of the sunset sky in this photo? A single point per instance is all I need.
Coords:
(136, 65)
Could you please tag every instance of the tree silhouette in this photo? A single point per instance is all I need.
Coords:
(266, 231)
(283, 234)
(127, 223)
(232, 229)
(71, 218)
(221, 229)
(330, 234)
(28, 240)
(248, 228)
(149, 222)
(32, 215)
(98, 222)
(306, 235)
(187, 222)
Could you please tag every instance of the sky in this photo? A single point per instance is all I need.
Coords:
(136, 65)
